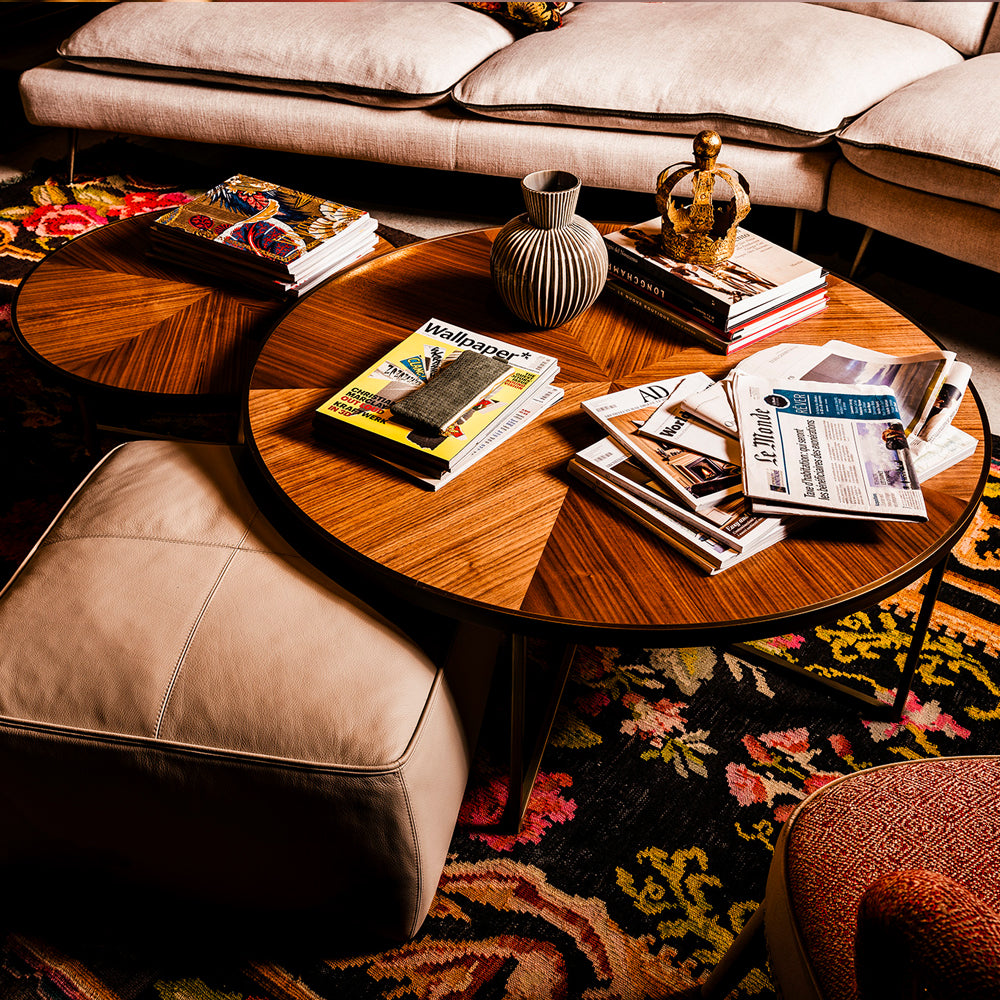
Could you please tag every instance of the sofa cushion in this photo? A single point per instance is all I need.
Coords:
(783, 74)
(962, 25)
(932, 137)
(953, 228)
(392, 55)
(58, 95)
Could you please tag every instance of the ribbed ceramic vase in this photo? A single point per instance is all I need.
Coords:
(549, 265)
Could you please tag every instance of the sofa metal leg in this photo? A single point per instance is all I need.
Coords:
(865, 240)
(73, 137)
(797, 229)
(89, 426)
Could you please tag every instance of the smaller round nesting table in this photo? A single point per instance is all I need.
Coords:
(112, 323)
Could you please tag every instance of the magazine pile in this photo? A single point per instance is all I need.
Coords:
(271, 238)
(360, 415)
(721, 470)
(761, 289)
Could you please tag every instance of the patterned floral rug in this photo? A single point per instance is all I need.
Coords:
(667, 778)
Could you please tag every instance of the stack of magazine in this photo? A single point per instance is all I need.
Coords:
(721, 470)
(761, 289)
(271, 238)
(693, 499)
(360, 415)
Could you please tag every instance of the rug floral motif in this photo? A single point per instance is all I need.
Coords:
(667, 778)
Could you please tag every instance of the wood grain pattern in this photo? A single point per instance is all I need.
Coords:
(515, 541)
(102, 313)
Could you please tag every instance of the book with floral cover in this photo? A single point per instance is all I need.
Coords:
(268, 228)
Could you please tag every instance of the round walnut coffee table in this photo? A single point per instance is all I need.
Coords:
(515, 543)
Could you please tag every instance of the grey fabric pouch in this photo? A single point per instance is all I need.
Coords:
(437, 404)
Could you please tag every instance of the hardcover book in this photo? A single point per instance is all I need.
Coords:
(360, 414)
(759, 274)
(355, 246)
(273, 228)
(749, 331)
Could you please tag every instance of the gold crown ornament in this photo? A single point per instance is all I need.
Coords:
(702, 231)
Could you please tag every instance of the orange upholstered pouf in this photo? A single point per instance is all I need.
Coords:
(938, 816)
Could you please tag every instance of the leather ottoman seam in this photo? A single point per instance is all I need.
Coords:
(194, 628)
(167, 747)
(238, 547)
(415, 919)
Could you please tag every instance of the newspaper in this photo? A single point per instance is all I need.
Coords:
(948, 399)
(830, 449)
(915, 379)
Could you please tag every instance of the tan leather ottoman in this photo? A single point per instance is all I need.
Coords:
(187, 706)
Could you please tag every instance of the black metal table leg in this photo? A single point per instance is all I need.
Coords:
(524, 760)
(875, 708)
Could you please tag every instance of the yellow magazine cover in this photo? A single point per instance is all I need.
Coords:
(360, 414)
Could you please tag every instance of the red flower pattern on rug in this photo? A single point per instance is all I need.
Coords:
(487, 796)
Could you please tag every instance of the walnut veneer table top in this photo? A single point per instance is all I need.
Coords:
(105, 317)
(515, 541)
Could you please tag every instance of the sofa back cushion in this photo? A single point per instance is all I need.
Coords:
(962, 25)
(781, 74)
(392, 55)
(931, 137)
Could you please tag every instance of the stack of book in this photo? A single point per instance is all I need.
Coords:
(721, 470)
(430, 418)
(761, 289)
(271, 238)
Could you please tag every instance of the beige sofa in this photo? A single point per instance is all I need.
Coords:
(882, 113)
